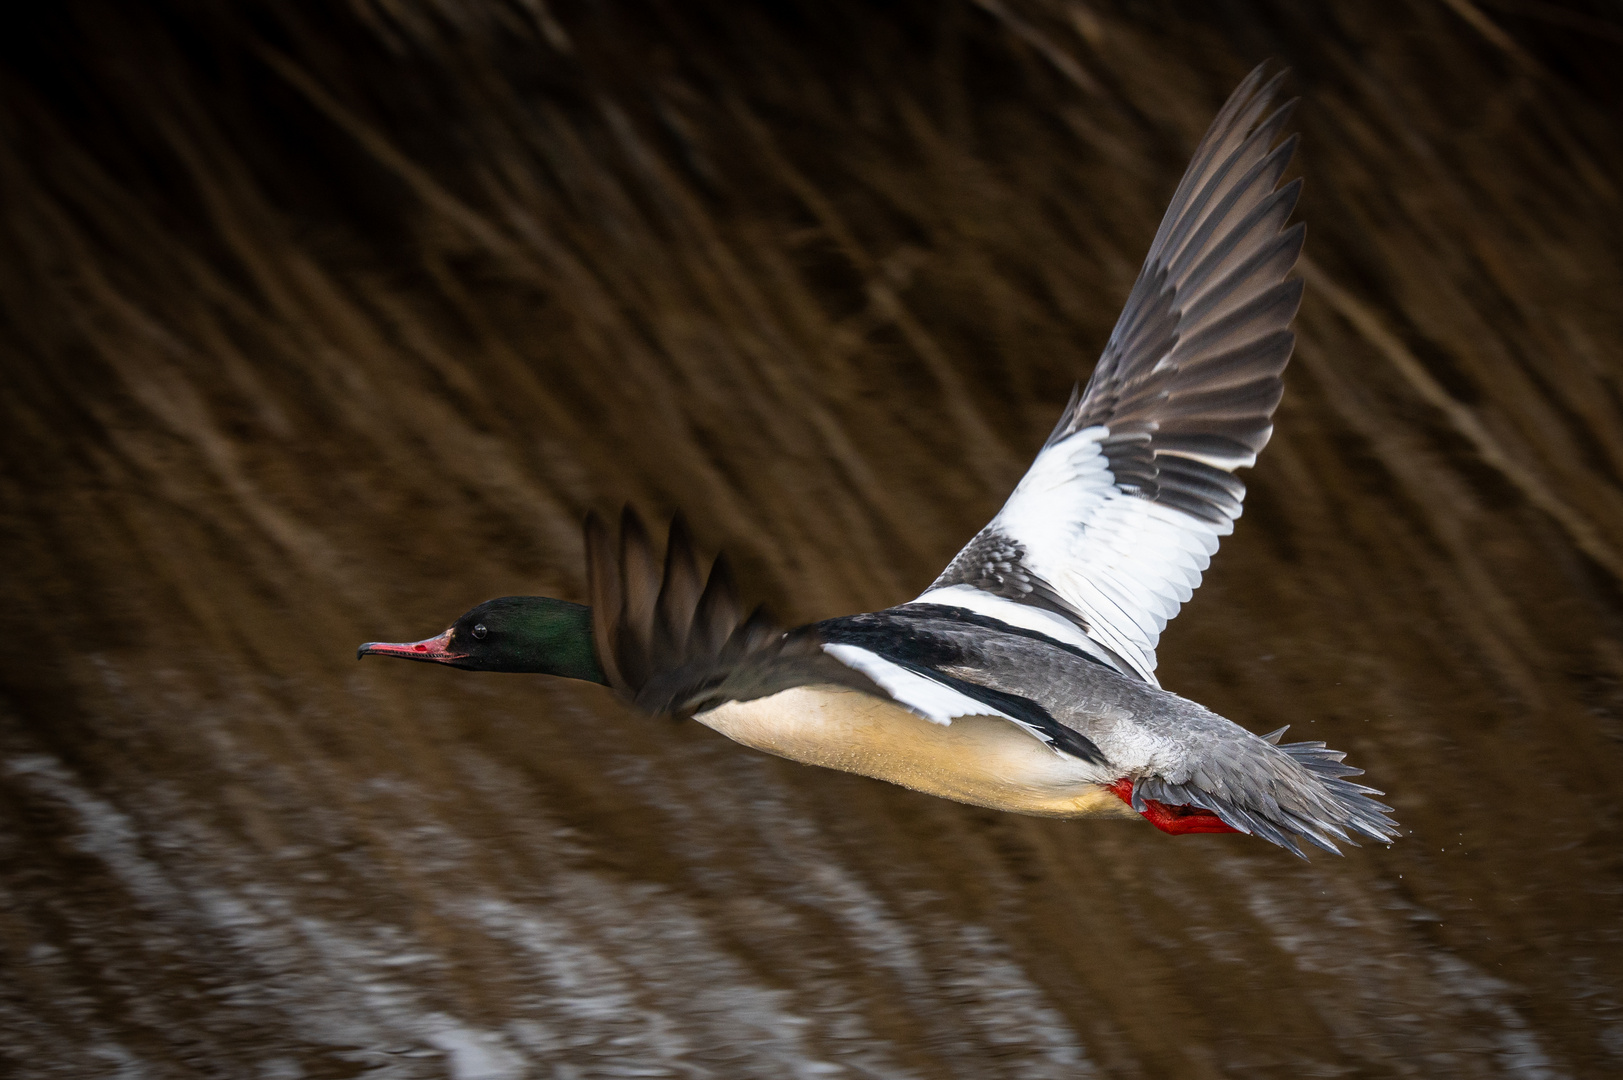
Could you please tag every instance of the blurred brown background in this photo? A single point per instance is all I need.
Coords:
(321, 322)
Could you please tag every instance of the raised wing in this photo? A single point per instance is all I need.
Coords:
(1110, 530)
(676, 639)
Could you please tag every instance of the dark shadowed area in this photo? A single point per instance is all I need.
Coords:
(322, 321)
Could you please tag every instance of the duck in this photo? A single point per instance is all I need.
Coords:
(1023, 679)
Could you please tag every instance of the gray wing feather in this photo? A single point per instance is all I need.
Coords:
(1197, 354)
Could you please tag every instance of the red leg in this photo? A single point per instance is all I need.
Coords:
(1172, 819)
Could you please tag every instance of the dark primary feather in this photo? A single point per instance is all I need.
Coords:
(675, 640)
(1190, 378)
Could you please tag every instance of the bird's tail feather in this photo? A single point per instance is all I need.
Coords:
(1313, 800)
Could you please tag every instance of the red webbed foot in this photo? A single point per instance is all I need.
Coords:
(1172, 819)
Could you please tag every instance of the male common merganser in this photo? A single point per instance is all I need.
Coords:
(1023, 678)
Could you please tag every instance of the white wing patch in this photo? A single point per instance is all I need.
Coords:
(1121, 512)
(1123, 563)
(934, 701)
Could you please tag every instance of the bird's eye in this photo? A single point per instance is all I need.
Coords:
(479, 631)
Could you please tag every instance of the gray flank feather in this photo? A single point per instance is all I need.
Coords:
(1284, 793)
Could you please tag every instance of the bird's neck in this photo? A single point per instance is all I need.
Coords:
(552, 637)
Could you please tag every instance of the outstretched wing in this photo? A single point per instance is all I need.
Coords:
(676, 640)
(1110, 530)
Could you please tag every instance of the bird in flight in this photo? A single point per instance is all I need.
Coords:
(1023, 678)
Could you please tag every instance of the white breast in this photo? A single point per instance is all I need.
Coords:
(982, 760)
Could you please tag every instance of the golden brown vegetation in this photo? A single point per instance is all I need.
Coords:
(322, 322)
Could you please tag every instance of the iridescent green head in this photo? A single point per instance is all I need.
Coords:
(534, 635)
